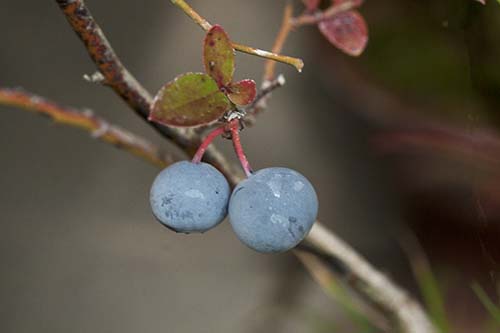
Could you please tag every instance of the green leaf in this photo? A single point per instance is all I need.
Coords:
(341, 295)
(191, 99)
(428, 283)
(432, 294)
(492, 309)
(218, 56)
(242, 92)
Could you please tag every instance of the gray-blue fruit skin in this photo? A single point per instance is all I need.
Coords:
(190, 197)
(273, 210)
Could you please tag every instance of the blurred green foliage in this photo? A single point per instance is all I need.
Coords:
(445, 52)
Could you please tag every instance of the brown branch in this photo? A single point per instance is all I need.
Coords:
(125, 85)
(370, 283)
(205, 25)
(103, 55)
(286, 28)
(98, 127)
(115, 74)
(260, 102)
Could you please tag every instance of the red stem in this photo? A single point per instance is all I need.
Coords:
(206, 142)
(235, 135)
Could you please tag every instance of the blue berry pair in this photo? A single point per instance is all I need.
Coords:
(270, 211)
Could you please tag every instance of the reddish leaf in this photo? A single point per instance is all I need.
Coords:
(482, 1)
(242, 92)
(354, 2)
(191, 99)
(218, 56)
(311, 4)
(347, 31)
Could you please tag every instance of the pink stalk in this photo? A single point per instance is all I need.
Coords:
(235, 134)
(206, 142)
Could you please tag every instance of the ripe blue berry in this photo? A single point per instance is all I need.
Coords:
(190, 197)
(273, 209)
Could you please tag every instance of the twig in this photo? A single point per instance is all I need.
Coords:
(95, 77)
(99, 128)
(372, 284)
(260, 102)
(101, 52)
(281, 38)
(267, 88)
(335, 9)
(197, 18)
(115, 74)
(288, 23)
(205, 25)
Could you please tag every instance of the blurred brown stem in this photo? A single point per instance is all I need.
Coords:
(334, 9)
(286, 28)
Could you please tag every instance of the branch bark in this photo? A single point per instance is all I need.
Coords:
(86, 120)
(126, 86)
(372, 284)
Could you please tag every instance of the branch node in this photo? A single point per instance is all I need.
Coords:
(88, 113)
(96, 77)
(101, 130)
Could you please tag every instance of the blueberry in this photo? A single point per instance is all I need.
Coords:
(190, 197)
(273, 209)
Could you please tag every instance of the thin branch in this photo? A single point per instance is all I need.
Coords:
(95, 77)
(205, 25)
(189, 11)
(115, 74)
(269, 82)
(286, 28)
(372, 284)
(101, 52)
(267, 88)
(260, 102)
(335, 9)
(98, 127)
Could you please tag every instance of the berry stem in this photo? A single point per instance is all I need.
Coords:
(235, 136)
(206, 142)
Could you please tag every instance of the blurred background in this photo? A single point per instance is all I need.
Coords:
(401, 141)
